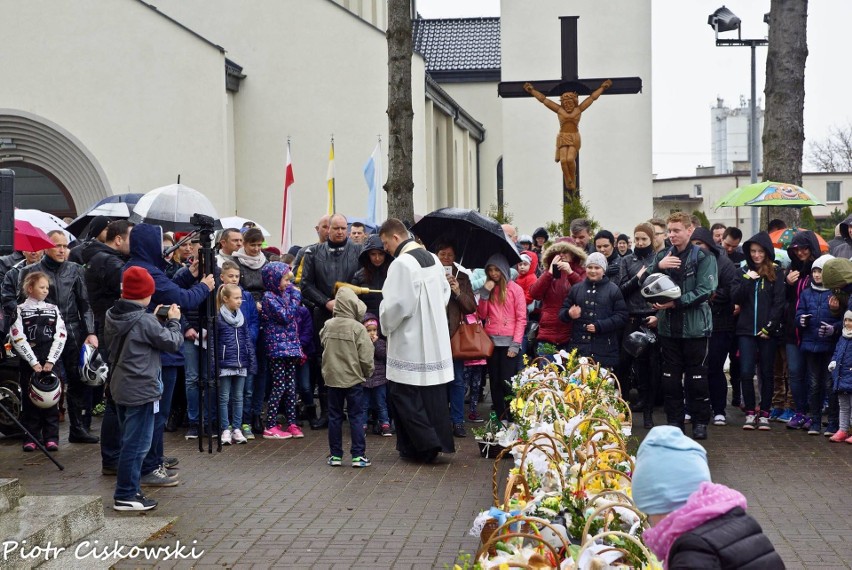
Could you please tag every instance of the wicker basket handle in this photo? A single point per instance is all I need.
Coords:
(495, 538)
(624, 535)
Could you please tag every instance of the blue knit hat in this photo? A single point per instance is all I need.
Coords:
(669, 468)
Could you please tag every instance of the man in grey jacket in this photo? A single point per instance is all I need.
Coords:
(135, 339)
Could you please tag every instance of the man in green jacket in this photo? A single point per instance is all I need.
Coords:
(685, 325)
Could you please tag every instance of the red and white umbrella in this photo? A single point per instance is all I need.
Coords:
(43, 221)
(30, 238)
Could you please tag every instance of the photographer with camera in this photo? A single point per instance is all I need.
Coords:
(188, 290)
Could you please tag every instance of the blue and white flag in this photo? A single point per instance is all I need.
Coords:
(373, 176)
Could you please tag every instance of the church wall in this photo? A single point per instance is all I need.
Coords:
(230, 162)
(431, 172)
(481, 101)
(312, 70)
(615, 164)
(144, 96)
(420, 162)
(372, 11)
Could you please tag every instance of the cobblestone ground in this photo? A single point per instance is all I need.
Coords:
(276, 503)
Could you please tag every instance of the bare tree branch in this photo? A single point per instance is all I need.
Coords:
(833, 153)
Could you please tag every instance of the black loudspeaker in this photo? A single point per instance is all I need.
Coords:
(7, 211)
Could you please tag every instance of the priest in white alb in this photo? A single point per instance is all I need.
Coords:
(413, 317)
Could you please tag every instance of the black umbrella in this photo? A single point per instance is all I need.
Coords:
(117, 207)
(475, 237)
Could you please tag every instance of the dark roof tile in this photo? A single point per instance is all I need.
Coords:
(458, 44)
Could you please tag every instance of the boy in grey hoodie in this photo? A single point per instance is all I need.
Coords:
(135, 339)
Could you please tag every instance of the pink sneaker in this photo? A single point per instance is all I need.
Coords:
(276, 433)
(839, 436)
(294, 431)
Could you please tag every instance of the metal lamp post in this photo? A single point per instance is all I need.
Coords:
(723, 20)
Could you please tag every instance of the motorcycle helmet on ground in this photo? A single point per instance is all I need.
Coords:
(93, 369)
(637, 342)
(659, 288)
(45, 390)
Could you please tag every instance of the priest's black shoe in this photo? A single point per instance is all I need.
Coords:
(699, 431)
(320, 422)
(82, 437)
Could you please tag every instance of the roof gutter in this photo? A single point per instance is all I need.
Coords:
(442, 99)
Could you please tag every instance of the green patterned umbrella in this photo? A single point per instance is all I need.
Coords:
(769, 194)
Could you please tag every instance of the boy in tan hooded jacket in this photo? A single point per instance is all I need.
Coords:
(347, 360)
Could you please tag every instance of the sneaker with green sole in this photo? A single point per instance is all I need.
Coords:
(335, 461)
(247, 431)
(360, 462)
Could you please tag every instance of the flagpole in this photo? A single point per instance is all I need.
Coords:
(287, 214)
(379, 189)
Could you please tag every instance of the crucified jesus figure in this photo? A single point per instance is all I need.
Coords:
(568, 139)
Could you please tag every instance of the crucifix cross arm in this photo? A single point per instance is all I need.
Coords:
(571, 80)
(556, 87)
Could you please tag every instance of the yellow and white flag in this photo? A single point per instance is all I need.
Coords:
(330, 179)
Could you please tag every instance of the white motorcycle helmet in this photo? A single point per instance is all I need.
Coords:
(659, 288)
(45, 390)
(93, 369)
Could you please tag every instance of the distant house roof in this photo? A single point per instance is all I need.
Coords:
(459, 49)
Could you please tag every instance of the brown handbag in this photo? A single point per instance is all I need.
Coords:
(471, 342)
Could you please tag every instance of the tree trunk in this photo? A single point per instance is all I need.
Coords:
(783, 130)
(400, 184)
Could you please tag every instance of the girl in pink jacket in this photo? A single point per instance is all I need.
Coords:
(503, 309)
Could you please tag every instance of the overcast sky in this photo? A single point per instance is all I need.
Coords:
(690, 72)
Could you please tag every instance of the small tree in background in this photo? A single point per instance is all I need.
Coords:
(807, 220)
(500, 213)
(705, 223)
(572, 208)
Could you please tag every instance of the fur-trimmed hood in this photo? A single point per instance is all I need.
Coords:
(561, 247)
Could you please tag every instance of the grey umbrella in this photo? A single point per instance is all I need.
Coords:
(116, 207)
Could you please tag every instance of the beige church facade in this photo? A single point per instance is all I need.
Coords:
(112, 96)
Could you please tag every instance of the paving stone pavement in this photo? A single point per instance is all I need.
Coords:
(277, 504)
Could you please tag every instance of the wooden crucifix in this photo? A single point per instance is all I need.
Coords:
(568, 89)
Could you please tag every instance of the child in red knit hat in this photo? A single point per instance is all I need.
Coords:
(135, 339)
